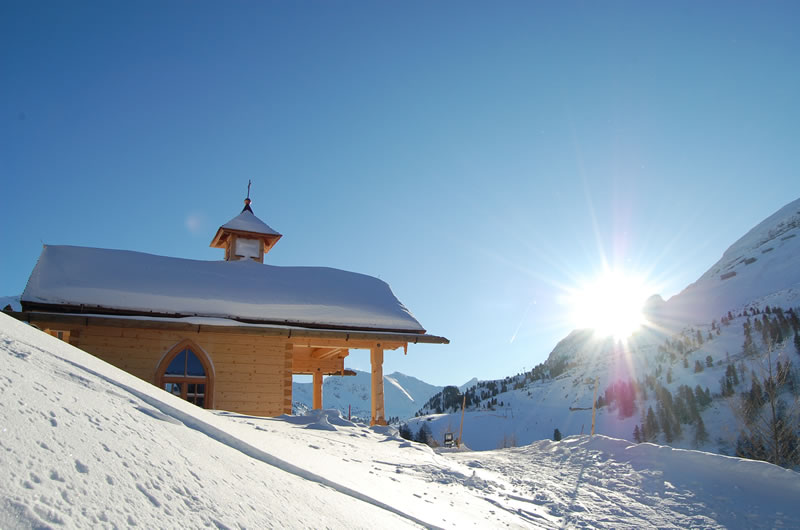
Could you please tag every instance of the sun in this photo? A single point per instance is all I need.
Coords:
(611, 304)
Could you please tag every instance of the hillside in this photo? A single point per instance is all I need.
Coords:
(87, 445)
(762, 267)
(694, 345)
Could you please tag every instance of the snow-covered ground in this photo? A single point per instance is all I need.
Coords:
(83, 444)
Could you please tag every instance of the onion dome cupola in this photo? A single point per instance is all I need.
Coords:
(245, 236)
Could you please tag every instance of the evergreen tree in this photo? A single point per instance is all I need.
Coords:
(753, 401)
(700, 433)
(699, 396)
(709, 361)
(742, 371)
(424, 435)
(693, 405)
(729, 381)
(797, 342)
(794, 321)
(765, 335)
(749, 348)
(556, 435)
(405, 432)
(637, 434)
(665, 422)
(769, 426)
(698, 367)
(681, 410)
(650, 426)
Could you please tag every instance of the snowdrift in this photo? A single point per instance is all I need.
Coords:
(85, 444)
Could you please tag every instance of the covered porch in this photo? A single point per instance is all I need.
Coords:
(319, 357)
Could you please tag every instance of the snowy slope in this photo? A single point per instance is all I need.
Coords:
(764, 264)
(87, 445)
(403, 394)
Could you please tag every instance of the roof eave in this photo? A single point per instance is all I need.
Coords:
(44, 307)
(223, 234)
(288, 331)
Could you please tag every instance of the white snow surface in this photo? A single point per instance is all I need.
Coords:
(248, 222)
(762, 262)
(139, 282)
(83, 444)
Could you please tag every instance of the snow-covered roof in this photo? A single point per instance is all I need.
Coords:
(97, 279)
(248, 222)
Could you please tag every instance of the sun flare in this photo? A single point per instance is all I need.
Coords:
(611, 304)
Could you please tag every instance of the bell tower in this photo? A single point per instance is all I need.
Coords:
(245, 236)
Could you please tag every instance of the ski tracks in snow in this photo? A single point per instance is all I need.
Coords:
(580, 484)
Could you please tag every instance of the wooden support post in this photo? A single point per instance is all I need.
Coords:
(287, 378)
(376, 359)
(317, 402)
(461, 429)
(594, 403)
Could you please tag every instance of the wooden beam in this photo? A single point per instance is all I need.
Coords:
(345, 373)
(311, 342)
(311, 366)
(378, 414)
(317, 402)
(327, 353)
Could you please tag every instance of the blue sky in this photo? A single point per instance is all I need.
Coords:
(479, 157)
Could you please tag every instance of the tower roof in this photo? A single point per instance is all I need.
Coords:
(246, 224)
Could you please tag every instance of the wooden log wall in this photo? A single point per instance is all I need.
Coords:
(252, 374)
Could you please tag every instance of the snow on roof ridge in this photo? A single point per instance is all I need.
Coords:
(126, 280)
(247, 221)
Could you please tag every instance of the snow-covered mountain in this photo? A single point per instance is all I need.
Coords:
(695, 343)
(762, 267)
(87, 445)
(10, 301)
(403, 394)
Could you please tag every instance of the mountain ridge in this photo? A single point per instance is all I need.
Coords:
(685, 358)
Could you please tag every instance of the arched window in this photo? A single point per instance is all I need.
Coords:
(186, 372)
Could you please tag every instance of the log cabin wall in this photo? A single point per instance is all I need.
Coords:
(251, 374)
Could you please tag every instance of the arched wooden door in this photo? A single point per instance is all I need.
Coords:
(186, 372)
